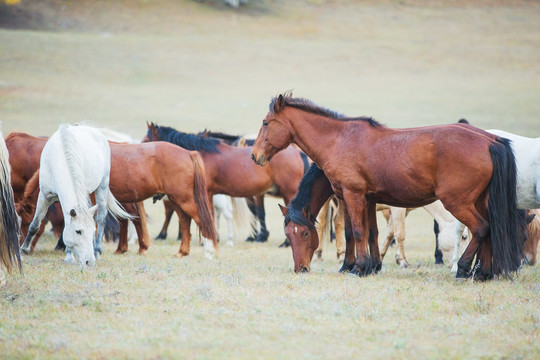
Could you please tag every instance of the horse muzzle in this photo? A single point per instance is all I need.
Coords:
(259, 161)
(301, 269)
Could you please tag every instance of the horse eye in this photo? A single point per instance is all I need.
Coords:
(306, 234)
(265, 124)
(78, 232)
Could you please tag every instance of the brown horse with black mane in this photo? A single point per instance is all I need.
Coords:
(368, 163)
(229, 170)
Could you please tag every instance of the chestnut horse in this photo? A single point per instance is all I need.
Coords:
(229, 170)
(367, 163)
(9, 226)
(26, 151)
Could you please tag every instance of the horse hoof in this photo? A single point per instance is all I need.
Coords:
(179, 255)
(358, 271)
(403, 264)
(346, 268)
(120, 252)
(378, 266)
(250, 239)
(142, 252)
(26, 250)
(454, 269)
(161, 236)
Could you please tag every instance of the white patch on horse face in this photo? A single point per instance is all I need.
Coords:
(295, 229)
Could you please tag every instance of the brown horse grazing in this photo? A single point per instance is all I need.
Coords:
(367, 163)
(229, 170)
(300, 218)
(26, 152)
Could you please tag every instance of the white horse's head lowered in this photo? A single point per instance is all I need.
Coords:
(78, 235)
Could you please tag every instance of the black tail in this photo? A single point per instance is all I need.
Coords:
(507, 227)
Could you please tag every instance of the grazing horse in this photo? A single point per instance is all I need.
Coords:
(76, 161)
(9, 225)
(368, 163)
(23, 162)
(27, 206)
(229, 170)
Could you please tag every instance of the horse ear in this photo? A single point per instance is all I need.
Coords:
(306, 211)
(73, 213)
(283, 209)
(93, 210)
(278, 105)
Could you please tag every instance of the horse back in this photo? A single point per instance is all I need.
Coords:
(24, 156)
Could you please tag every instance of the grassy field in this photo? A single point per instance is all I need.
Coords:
(198, 64)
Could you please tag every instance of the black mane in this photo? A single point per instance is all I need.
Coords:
(187, 141)
(227, 138)
(309, 106)
(303, 198)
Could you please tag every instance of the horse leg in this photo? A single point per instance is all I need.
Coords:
(122, 238)
(42, 207)
(262, 236)
(438, 253)
(140, 227)
(101, 193)
(169, 210)
(339, 222)
(398, 219)
(38, 234)
(459, 228)
(322, 230)
(185, 224)
(479, 228)
(357, 208)
(228, 215)
(350, 258)
(373, 239)
(387, 213)
(250, 201)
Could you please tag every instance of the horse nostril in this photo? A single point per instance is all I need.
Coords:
(253, 157)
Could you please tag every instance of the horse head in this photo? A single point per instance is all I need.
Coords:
(302, 234)
(152, 133)
(274, 134)
(78, 234)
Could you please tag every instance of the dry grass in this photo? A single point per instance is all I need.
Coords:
(193, 65)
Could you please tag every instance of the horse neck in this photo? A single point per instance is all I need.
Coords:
(320, 193)
(316, 135)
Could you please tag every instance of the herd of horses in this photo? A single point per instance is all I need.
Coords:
(476, 184)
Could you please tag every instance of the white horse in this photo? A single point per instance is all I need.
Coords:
(9, 221)
(450, 229)
(75, 162)
(527, 153)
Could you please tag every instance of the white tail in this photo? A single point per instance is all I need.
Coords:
(244, 220)
(116, 209)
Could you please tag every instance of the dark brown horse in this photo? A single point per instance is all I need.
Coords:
(230, 171)
(300, 218)
(367, 163)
